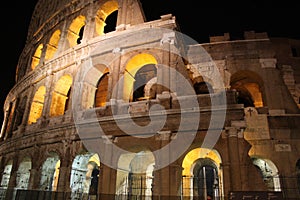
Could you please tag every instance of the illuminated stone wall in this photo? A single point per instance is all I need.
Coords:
(41, 149)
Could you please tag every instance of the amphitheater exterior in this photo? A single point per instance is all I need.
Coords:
(108, 105)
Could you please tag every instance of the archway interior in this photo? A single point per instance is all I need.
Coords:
(135, 174)
(135, 77)
(269, 173)
(202, 175)
(23, 174)
(249, 86)
(50, 173)
(6, 174)
(85, 174)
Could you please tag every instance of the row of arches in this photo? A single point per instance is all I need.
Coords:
(202, 174)
(139, 83)
(105, 21)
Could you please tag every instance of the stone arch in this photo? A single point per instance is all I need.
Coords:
(193, 165)
(6, 173)
(249, 86)
(61, 95)
(107, 9)
(202, 85)
(23, 173)
(50, 172)
(268, 171)
(135, 174)
(75, 31)
(20, 112)
(84, 179)
(37, 105)
(52, 45)
(135, 66)
(102, 89)
(36, 56)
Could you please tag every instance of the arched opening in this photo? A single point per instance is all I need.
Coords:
(140, 71)
(85, 175)
(61, 96)
(102, 89)
(269, 173)
(23, 174)
(202, 175)
(135, 175)
(20, 112)
(7, 121)
(52, 45)
(249, 88)
(104, 22)
(6, 174)
(202, 88)
(111, 22)
(144, 76)
(75, 31)
(50, 173)
(37, 105)
(36, 57)
(80, 34)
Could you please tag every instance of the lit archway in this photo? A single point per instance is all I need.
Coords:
(107, 9)
(135, 175)
(23, 174)
(84, 175)
(37, 105)
(6, 174)
(75, 31)
(202, 85)
(249, 86)
(52, 45)
(102, 89)
(61, 96)
(134, 70)
(36, 57)
(269, 173)
(202, 175)
(50, 173)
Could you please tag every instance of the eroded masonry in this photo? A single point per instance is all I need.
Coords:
(141, 111)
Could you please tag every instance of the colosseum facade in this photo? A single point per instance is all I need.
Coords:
(107, 105)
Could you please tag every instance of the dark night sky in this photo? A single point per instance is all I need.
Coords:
(197, 19)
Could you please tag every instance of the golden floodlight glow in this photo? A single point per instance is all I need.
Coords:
(37, 105)
(95, 158)
(36, 57)
(132, 67)
(74, 29)
(105, 10)
(52, 45)
(60, 95)
(55, 176)
(253, 89)
(194, 155)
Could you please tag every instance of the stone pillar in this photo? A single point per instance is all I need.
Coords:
(89, 29)
(163, 176)
(34, 179)
(163, 71)
(65, 169)
(116, 90)
(107, 182)
(234, 158)
(107, 175)
(175, 179)
(27, 108)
